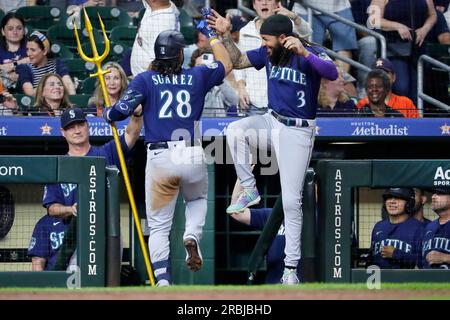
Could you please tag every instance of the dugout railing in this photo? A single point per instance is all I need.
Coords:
(337, 181)
(94, 231)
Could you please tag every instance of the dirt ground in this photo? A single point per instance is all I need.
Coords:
(290, 294)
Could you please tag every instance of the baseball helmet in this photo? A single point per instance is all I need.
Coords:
(407, 194)
(7, 211)
(168, 44)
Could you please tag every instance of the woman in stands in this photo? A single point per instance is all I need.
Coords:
(52, 97)
(13, 50)
(41, 63)
(116, 83)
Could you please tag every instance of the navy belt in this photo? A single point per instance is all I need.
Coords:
(165, 145)
(290, 122)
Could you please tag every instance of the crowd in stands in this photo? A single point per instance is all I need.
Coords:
(30, 65)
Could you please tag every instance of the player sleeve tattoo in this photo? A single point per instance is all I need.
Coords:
(239, 59)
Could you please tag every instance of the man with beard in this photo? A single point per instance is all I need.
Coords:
(378, 86)
(294, 70)
(436, 240)
(421, 199)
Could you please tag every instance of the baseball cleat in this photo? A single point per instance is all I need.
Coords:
(247, 198)
(194, 258)
(163, 283)
(290, 277)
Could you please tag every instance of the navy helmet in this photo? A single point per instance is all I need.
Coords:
(168, 44)
(407, 194)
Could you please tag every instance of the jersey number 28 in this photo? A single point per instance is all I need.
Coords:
(183, 107)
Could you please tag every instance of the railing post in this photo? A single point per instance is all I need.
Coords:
(420, 85)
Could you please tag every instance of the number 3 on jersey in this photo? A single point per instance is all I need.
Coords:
(301, 99)
(183, 107)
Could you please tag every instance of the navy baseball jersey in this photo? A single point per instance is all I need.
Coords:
(172, 104)
(275, 254)
(65, 193)
(405, 237)
(293, 88)
(436, 238)
(47, 238)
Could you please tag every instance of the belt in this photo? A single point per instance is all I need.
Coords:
(290, 122)
(167, 144)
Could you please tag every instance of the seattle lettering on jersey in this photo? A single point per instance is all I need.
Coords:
(439, 244)
(397, 244)
(287, 74)
(175, 79)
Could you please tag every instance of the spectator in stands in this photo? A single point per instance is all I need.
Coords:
(333, 100)
(253, 100)
(378, 85)
(420, 199)
(8, 5)
(343, 36)
(116, 83)
(13, 48)
(200, 42)
(436, 241)
(8, 104)
(52, 97)
(405, 24)
(257, 218)
(47, 238)
(219, 98)
(440, 33)
(41, 63)
(160, 15)
(60, 199)
(396, 240)
(237, 23)
(399, 103)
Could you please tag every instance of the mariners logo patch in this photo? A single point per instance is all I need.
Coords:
(32, 243)
(212, 65)
(324, 56)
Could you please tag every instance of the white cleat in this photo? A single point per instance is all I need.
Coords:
(290, 277)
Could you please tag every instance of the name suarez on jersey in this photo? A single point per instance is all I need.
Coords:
(176, 79)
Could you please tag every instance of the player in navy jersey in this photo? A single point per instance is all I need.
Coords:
(172, 100)
(60, 199)
(294, 70)
(421, 199)
(436, 240)
(47, 238)
(396, 240)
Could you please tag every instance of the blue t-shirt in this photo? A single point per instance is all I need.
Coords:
(436, 238)
(32, 74)
(405, 237)
(275, 254)
(172, 105)
(8, 56)
(47, 238)
(292, 89)
(66, 193)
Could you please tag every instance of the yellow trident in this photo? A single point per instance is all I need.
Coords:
(97, 60)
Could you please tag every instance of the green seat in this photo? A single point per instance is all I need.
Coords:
(63, 35)
(80, 100)
(2, 14)
(60, 50)
(187, 27)
(124, 35)
(25, 103)
(116, 50)
(111, 17)
(40, 17)
(78, 68)
(88, 85)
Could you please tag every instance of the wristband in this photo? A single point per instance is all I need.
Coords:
(213, 41)
(138, 115)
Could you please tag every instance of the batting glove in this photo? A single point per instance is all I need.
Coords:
(204, 28)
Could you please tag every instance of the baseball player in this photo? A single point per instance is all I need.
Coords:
(396, 240)
(47, 238)
(436, 240)
(294, 70)
(173, 100)
(60, 199)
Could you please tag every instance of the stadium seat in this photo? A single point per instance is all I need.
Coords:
(2, 14)
(24, 102)
(78, 68)
(40, 17)
(80, 100)
(111, 17)
(116, 50)
(139, 17)
(123, 35)
(61, 51)
(187, 26)
(61, 34)
(88, 85)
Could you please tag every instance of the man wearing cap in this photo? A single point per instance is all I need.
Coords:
(60, 200)
(252, 99)
(436, 240)
(401, 103)
(294, 69)
(396, 240)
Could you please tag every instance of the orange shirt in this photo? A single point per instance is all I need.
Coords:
(400, 103)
